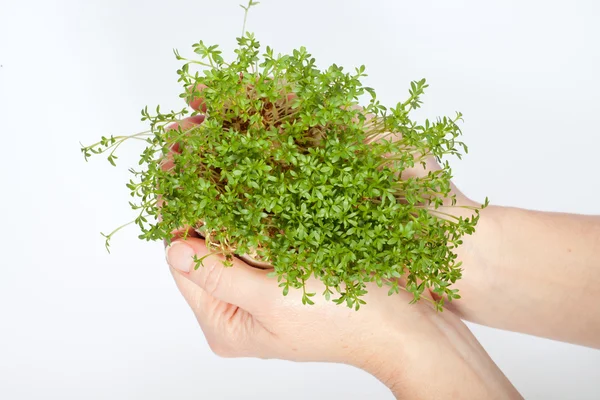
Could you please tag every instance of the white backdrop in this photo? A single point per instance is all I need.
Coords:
(77, 323)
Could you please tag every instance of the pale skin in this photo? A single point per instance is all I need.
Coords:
(524, 271)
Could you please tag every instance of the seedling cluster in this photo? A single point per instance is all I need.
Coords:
(289, 168)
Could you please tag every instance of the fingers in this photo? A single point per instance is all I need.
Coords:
(229, 330)
(241, 284)
(210, 314)
(186, 123)
(167, 163)
(197, 102)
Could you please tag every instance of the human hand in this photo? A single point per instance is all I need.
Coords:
(463, 207)
(242, 313)
(416, 351)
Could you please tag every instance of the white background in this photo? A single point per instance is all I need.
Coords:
(78, 323)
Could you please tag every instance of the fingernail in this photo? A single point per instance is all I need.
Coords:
(180, 256)
(197, 119)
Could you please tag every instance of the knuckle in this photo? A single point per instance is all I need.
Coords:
(212, 274)
(228, 340)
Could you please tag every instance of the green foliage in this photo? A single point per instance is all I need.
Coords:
(287, 168)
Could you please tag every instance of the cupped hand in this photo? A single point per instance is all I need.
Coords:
(243, 313)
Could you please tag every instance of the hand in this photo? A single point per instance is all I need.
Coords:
(243, 313)
(409, 347)
(527, 271)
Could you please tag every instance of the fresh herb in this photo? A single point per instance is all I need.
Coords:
(289, 169)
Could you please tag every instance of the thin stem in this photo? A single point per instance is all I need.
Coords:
(117, 146)
(108, 237)
(376, 138)
(119, 138)
(119, 228)
(199, 63)
(246, 9)
(441, 212)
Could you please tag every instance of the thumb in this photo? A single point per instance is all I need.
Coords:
(241, 285)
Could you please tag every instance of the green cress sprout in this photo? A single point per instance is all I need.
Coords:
(288, 169)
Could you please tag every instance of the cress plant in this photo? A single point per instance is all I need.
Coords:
(288, 169)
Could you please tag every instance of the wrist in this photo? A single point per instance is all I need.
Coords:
(411, 370)
(439, 358)
(389, 365)
(478, 254)
(412, 356)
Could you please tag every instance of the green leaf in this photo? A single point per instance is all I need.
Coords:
(286, 167)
